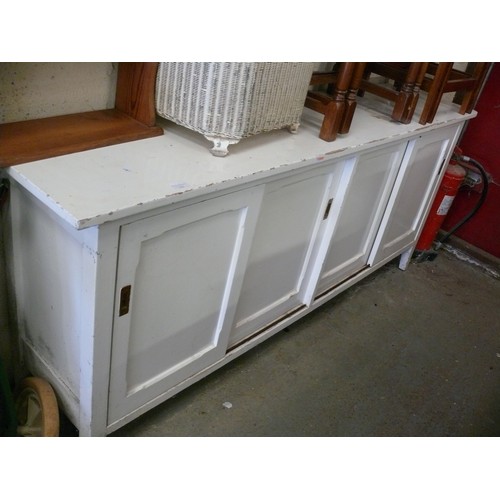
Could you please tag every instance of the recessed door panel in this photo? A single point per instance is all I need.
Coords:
(413, 193)
(291, 215)
(364, 202)
(179, 274)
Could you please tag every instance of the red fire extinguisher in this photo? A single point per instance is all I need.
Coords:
(452, 180)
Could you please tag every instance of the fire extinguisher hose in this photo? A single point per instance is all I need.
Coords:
(466, 162)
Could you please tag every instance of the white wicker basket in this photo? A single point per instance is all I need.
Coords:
(226, 101)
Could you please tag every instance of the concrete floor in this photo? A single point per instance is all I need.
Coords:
(413, 353)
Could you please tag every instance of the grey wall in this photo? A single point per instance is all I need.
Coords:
(38, 90)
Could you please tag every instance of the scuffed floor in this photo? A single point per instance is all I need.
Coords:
(413, 353)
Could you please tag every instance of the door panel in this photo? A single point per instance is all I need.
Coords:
(183, 271)
(364, 202)
(291, 214)
(414, 189)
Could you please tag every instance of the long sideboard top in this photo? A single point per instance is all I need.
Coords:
(91, 187)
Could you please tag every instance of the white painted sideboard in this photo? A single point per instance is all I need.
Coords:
(138, 269)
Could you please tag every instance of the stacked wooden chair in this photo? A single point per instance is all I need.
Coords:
(347, 81)
(338, 102)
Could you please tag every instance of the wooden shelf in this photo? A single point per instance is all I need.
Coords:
(32, 140)
(132, 118)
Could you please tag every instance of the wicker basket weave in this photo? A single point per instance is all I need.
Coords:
(227, 101)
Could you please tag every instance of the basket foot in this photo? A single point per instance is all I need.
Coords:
(293, 128)
(220, 144)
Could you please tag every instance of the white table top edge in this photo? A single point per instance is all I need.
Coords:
(105, 184)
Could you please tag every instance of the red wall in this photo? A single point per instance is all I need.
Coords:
(481, 141)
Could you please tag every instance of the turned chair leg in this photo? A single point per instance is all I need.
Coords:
(350, 106)
(406, 100)
(335, 109)
(469, 98)
(435, 93)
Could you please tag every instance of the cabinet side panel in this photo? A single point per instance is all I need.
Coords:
(48, 283)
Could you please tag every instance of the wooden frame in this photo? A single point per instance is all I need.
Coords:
(132, 118)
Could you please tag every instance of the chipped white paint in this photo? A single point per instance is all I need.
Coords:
(187, 235)
(106, 184)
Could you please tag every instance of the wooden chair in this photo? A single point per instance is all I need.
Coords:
(338, 102)
(443, 77)
(434, 78)
(408, 79)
